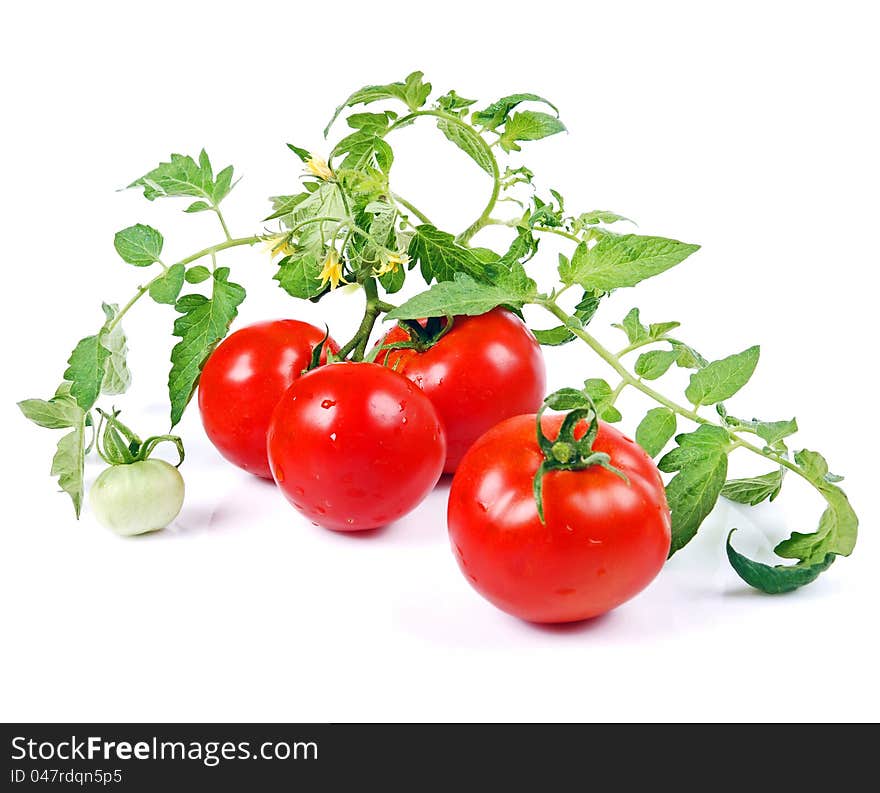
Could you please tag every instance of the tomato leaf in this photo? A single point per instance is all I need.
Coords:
(777, 579)
(497, 113)
(183, 176)
(465, 296)
(283, 205)
(528, 125)
(413, 92)
(753, 490)
(601, 393)
(56, 413)
(202, 325)
(139, 245)
(655, 363)
(299, 273)
(117, 376)
(439, 257)
(469, 142)
(197, 274)
(85, 370)
(68, 463)
(625, 260)
(701, 462)
(655, 430)
(167, 288)
(720, 380)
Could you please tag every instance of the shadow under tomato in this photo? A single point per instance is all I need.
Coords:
(565, 628)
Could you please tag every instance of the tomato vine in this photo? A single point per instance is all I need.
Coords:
(347, 226)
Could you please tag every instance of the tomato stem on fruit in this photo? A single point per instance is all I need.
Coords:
(568, 453)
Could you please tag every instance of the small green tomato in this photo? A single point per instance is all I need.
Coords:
(138, 497)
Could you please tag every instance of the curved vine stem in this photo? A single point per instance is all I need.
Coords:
(484, 218)
(628, 379)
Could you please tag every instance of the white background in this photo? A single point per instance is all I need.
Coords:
(749, 128)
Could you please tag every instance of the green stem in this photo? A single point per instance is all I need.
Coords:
(357, 345)
(420, 215)
(628, 379)
(221, 247)
(483, 219)
(142, 290)
(222, 222)
(559, 232)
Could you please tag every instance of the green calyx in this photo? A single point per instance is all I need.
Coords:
(117, 444)
(568, 453)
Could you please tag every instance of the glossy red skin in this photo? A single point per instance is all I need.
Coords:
(354, 446)
(486, 369)
(243, 380)
(604, 540)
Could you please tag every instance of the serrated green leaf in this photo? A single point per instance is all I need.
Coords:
(85, 370)
(413, 92)
(528, 125)
(598, 216)
(655, 363)
(601, 393)
(496, 114)
(198, 206)
(657, 330)
(462, 296)
(469, 142)
(202, 324)
(117, 376)
(701, 462)
(655, 430)
(837, 532)
(688, 357)
(720, 380)
(299, 274)
(68, 464)
(139, 245)
(183, 176)
(57, 413)
(285, 204)
(778, 579)
(440, 257)
(753, 490)
(625, 260)
(774, 431)
(167, 288)
(451, 102)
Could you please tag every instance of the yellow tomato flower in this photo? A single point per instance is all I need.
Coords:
(332, 271)
(277, 245)
(318, 167)
(391, 262)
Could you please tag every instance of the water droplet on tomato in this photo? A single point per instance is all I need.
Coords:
(402, 405)
(298, 491)
(404, 419)
(321, 510)
(279, 474)
(483, 506)
(328, 403)
(566, 590)
(332, 436)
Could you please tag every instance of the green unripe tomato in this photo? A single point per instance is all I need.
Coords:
(137, 498)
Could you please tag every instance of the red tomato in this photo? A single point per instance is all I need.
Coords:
(354, 446)
(486, 369)
(243, 380)
(604, 539)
